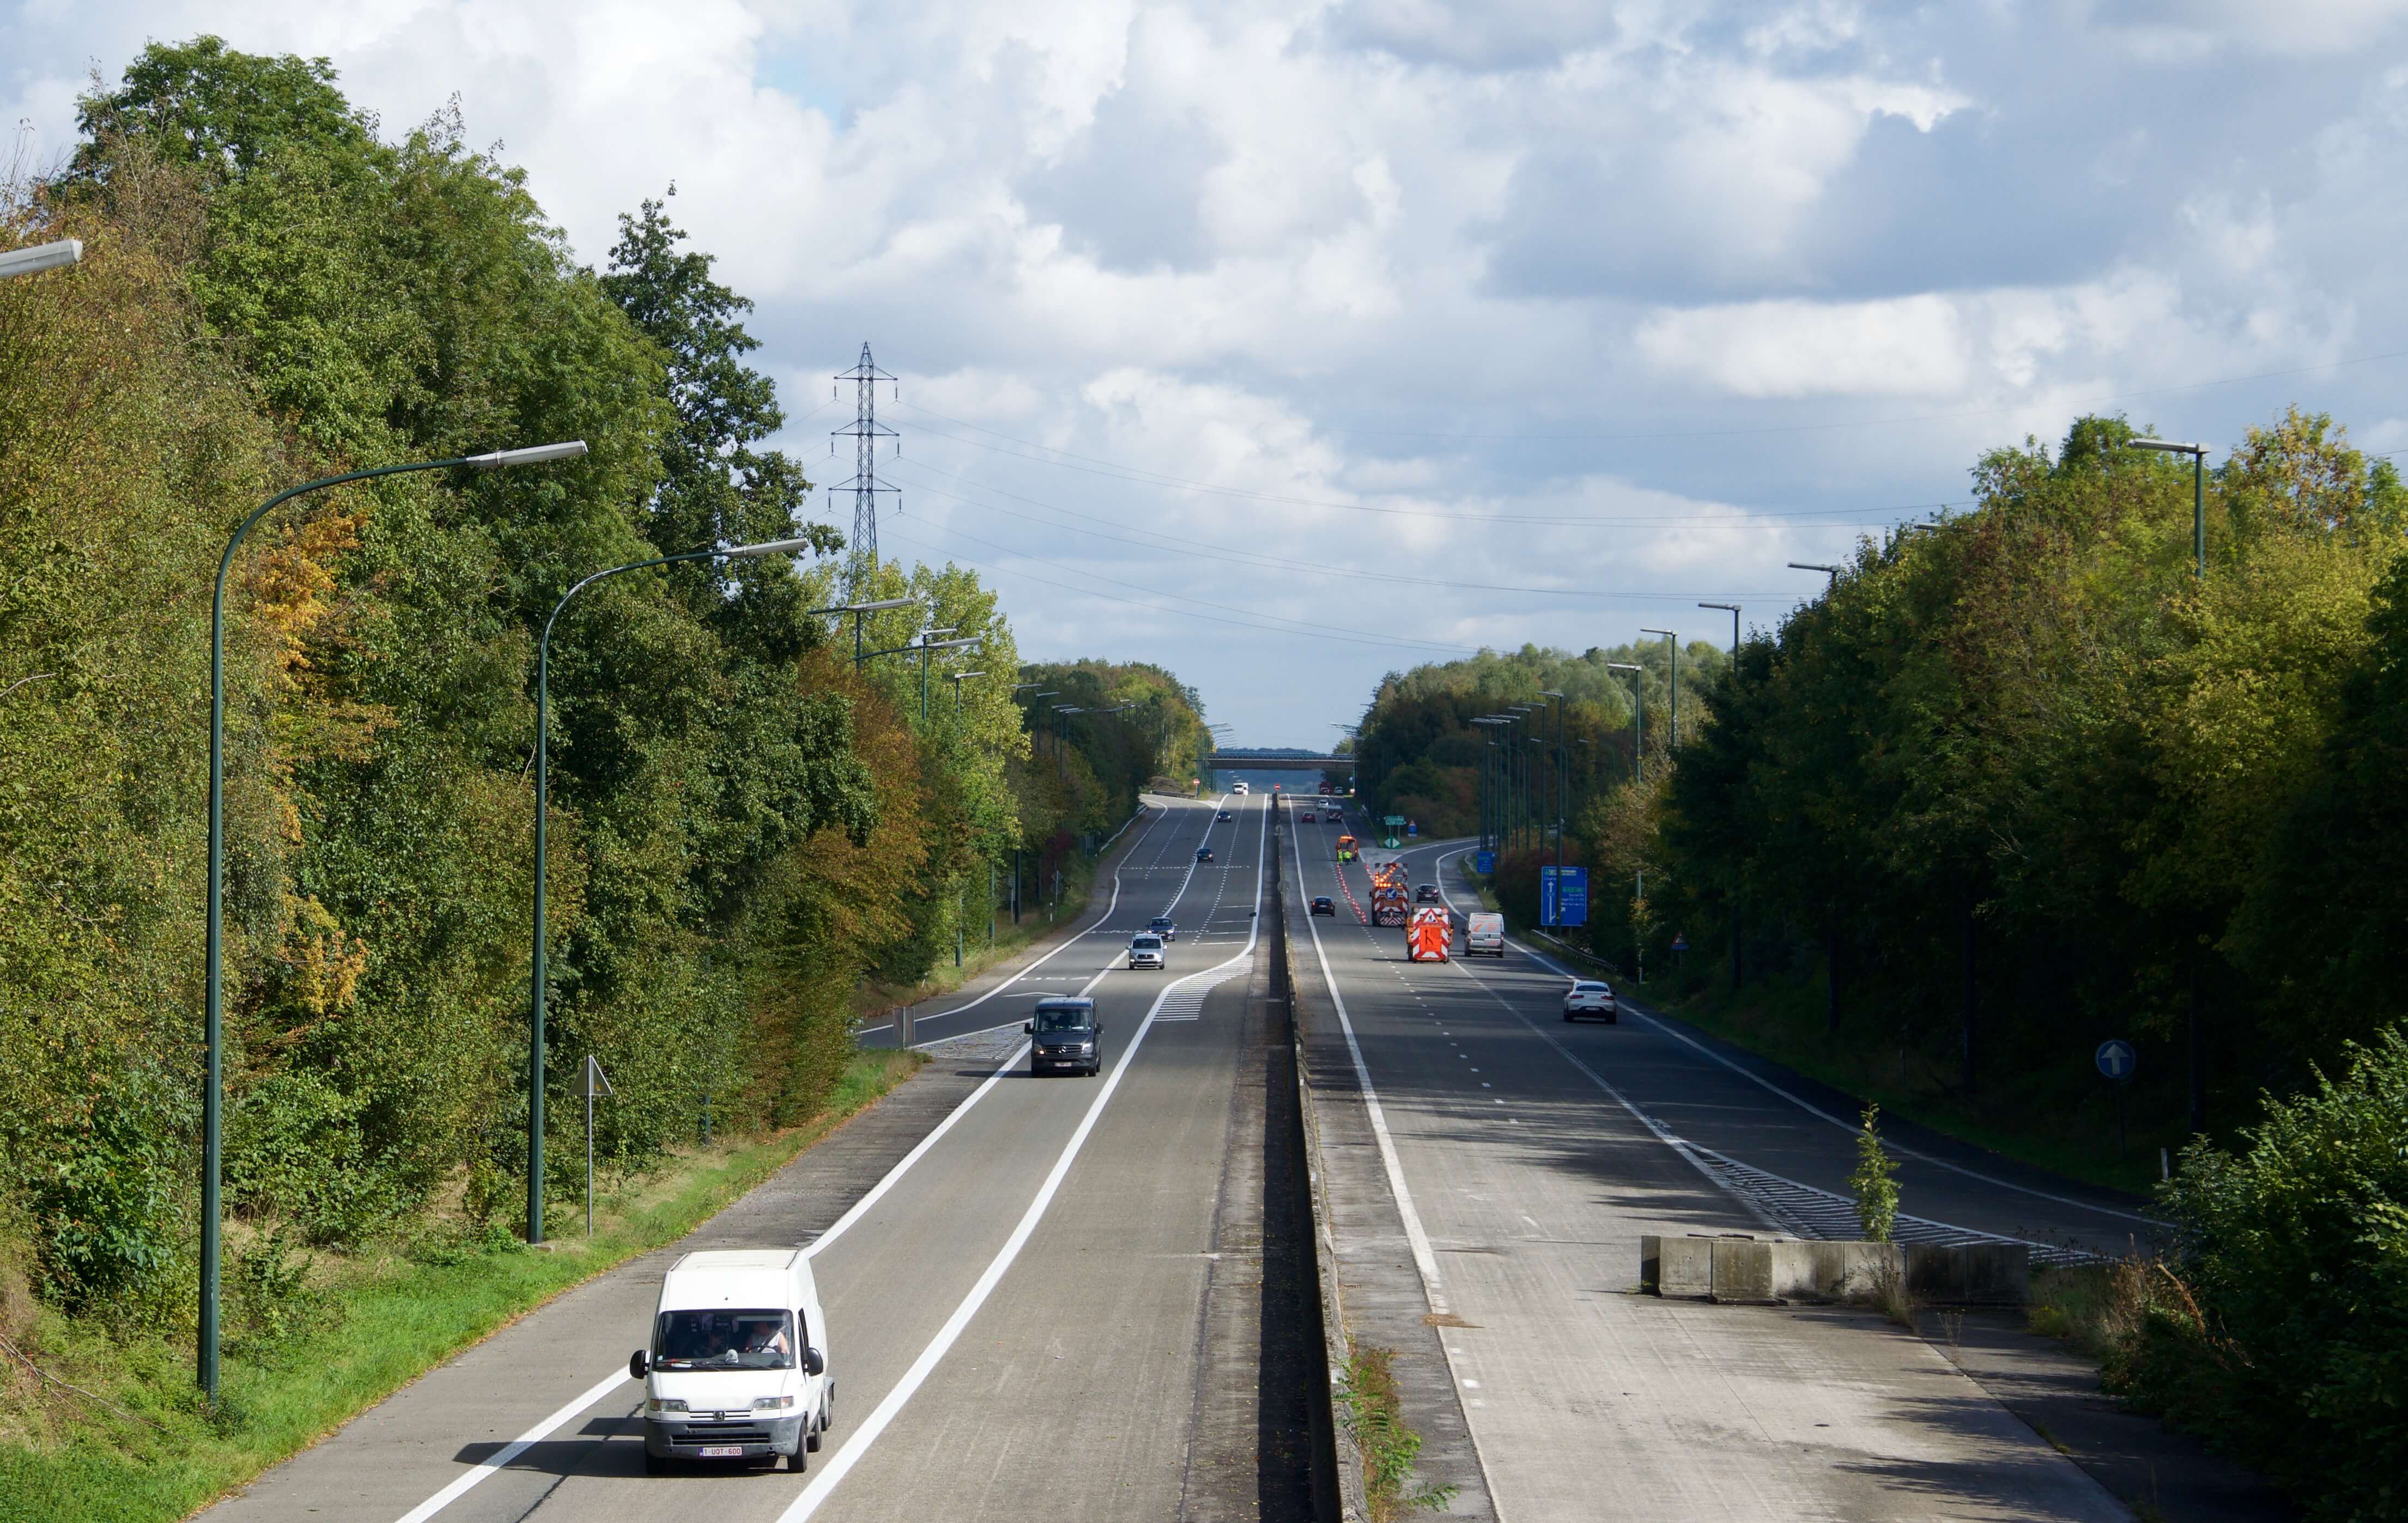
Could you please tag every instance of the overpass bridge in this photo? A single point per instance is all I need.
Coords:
(1238, 761)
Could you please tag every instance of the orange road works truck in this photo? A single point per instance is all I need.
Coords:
(1428, 938)
(1346, 848)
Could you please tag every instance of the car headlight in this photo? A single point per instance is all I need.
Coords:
(665, 1404)
(772, 1403)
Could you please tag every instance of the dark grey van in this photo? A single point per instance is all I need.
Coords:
(1066, 1038)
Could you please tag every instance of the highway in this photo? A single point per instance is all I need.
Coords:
(1042, 1295)
(1528, 1156)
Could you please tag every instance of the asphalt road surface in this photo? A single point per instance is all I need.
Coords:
(1020, 1311)
(1528, 1155)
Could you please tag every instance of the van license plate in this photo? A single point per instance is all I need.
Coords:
(724, 1451)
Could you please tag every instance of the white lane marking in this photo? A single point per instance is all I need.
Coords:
(512, 1450)
(823, 1483)
(1803, 1104)
(1067, 942)
(1424, 1259)
(837, 1229)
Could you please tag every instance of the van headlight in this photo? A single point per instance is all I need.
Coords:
(665, 1404)
(772, 1403)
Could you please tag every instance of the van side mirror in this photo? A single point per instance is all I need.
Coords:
(1028, 1026)
(813, 1364)
(637, 1365)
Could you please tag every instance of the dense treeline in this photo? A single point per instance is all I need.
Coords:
(2025, 782)
(744, 821)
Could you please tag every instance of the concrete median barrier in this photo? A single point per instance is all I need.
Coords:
(1739, 1268)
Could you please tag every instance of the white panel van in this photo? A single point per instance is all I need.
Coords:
(737, 1365)
(1484, 932)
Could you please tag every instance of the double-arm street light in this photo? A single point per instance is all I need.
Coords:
(213, 995)
(925, 646)
(41, 256)
(1489, 790)
(957, 679)
(542, 814)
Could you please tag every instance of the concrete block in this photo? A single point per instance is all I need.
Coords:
(1970, 1273)
(1681, 1269)
(1742, 1272)
(1832, 1271)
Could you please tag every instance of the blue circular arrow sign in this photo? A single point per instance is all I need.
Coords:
(2116, 1059)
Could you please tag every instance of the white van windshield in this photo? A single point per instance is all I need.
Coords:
(721, 1340)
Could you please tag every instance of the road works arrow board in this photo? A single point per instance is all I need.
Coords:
(2116, 1059)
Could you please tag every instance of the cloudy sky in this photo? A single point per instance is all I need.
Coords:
(1286, 344)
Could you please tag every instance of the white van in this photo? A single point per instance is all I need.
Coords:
(1240, 790)
(738, 1366)
(1484, 933)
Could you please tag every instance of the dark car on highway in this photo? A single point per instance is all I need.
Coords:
(1321, 905)
(1224, 815)
(1066, 1038)
(1164, 927)
(1203, 853)
(1426, 894)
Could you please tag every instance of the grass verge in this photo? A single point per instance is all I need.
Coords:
(1374, 1418)
(138, 1444)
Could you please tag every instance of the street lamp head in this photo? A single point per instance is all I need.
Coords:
(2166, 446)
(1726, 608)
(879, 606)
(1550, 695)
(1808, 565)
(1621, 666)
(533, 454)
(41, 256)
(962, 676)
(950, 645)
(773, 547)
(1666, 633)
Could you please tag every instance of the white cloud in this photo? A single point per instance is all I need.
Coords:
(1674, 269)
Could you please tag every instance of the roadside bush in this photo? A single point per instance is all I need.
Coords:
(2284, 1330)
(107, 1208)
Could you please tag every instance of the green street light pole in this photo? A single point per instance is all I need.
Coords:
(2198, 454)
(1732, 609)
(542, 813)
(212, 1094)
(1560, 793)
(1672, 664)
(1638, 720)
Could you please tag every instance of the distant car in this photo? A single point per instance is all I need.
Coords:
(1588, 997)
(1145, 951)
(1321, 905)
(1067, 1036)
(1224, 815)
(1308, 817)
(1203, 853)
(1164, 927)
(1426, 894)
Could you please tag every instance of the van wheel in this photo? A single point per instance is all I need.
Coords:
(796, 1461)
(811, 1441)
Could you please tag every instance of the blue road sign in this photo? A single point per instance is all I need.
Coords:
(1484, 862)
(1563, 896)
(1412, 829)
(2116, 1059)
(1680, 942)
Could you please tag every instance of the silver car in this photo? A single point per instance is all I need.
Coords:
(1145, 951)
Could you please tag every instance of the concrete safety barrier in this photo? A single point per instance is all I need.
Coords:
(1743, 1268)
